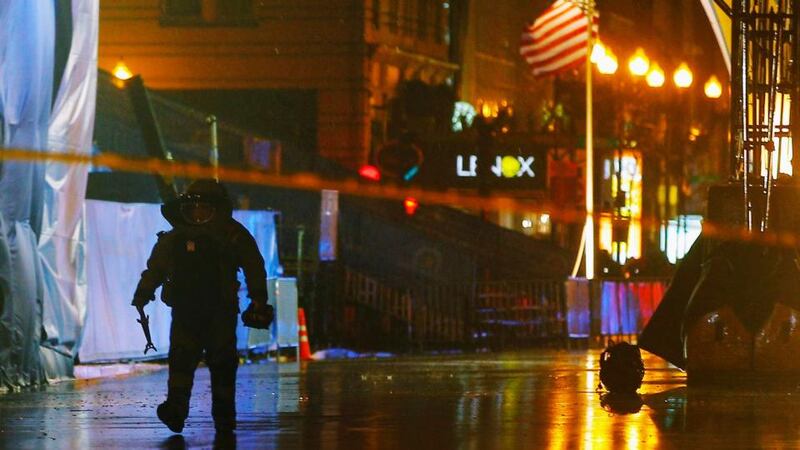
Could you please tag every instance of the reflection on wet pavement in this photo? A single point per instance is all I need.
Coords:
(537, 399)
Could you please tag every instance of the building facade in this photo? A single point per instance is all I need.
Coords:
(349, 54)
(332, 76)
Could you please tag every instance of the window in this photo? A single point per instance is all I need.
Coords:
(181, 8)
(377, 134)
(394, 15)
(407, 19)
(423, 7)
(213, 12)
(438, 19)
(376, 14)
(441, 22)
(235, 9)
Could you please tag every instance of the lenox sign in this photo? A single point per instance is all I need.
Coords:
(505, 167)
(502, 167)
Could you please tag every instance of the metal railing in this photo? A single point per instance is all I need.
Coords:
(513, 313)
(365, 311)
(420, 315)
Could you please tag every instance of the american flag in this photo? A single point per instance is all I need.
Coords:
(558, 38)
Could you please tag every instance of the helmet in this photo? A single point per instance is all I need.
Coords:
(209, 189)
(204, 202)
(195, 210)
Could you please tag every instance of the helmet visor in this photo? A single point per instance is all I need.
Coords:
(197, 212)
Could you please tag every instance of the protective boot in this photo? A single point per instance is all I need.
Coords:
(171, 415)
(175, 410)
(223, 396)
(184, 355)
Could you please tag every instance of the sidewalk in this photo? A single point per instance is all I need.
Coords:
(95, 371)
(531, 399)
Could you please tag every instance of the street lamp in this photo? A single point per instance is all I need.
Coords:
(713, 88)
(639, 63)
(121, 71)
(683, 76)
(598, 52)
(486, 110)
(607, 65)
(655, 77)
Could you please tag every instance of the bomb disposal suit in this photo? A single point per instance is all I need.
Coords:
(196, 264)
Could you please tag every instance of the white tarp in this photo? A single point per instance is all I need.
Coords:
(27, 40)
(119, 239)
(61, 242)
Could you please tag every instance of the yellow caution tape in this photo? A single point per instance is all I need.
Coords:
(311, 182)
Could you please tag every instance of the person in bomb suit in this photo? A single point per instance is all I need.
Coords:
(196, 264)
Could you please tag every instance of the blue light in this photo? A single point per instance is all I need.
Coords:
(411, 173)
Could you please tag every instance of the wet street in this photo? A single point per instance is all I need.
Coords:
(537, 399)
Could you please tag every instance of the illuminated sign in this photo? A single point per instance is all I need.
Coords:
(503, 167)
(510, 165)
(506, 167)
(621, 190)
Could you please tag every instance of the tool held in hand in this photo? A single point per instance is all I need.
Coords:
(144, 320)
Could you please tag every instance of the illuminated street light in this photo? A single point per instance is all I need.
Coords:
(598, 52)
(121, 71)
(639, 63)
(655, 77)
(683, 76)
(486, 110)
(608, 63)
(713, 88)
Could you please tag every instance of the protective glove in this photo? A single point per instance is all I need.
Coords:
(258, 316)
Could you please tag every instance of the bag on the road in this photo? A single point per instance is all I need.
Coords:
(621, 368)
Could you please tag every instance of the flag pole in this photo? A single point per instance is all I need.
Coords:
(589, 227)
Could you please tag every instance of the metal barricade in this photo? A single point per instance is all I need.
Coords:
(284, 330)
(498, 314)
(612, 308)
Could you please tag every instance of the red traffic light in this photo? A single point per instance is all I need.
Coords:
(410, 204)
(370, 172)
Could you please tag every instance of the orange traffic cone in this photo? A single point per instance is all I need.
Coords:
(305, 348)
